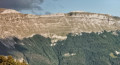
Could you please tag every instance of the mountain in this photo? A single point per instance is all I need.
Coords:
(75, 38)
(26, 25)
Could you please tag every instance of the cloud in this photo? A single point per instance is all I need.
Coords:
(21, 4)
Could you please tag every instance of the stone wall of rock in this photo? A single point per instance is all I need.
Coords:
(25, 25)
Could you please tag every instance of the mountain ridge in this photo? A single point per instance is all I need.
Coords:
(55, 26)
(75, 38)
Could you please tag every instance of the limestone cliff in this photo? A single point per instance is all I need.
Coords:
(13, 23)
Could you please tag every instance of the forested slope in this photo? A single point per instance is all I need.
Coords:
(82, 49)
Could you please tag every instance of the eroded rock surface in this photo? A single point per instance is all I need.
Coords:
(26, 25)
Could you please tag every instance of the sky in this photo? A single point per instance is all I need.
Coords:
(41, 7)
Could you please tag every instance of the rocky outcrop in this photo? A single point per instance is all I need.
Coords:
(25, 25)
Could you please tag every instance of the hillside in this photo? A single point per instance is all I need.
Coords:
(86, 49)
(75, 38)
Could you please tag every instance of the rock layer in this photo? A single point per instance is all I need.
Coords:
(55, 25)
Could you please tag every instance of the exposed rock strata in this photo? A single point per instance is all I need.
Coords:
(25, 25)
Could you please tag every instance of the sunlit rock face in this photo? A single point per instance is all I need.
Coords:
(20, 25)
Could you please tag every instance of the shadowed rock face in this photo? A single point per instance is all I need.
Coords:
(25, 25)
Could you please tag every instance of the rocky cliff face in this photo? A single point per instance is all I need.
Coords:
(20, 25)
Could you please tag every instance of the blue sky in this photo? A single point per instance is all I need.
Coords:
(97, 6)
